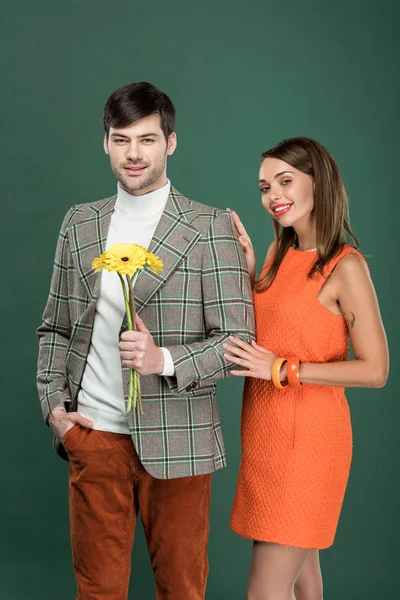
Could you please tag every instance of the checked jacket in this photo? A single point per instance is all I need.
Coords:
(202, 296)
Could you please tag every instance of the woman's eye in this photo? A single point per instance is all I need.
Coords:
(264, 190)
(286, 181)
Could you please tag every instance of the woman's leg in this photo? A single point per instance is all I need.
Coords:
(308, 585)
(274, 570)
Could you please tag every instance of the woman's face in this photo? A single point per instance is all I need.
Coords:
(286, 193)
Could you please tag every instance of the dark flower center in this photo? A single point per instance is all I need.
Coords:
(125, 258)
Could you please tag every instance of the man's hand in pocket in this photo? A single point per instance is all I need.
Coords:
(60, 422)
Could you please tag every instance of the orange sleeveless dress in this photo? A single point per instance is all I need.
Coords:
(296, 442)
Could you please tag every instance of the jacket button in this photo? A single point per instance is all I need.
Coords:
(192, 386)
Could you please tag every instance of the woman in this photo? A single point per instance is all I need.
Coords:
(314, 292)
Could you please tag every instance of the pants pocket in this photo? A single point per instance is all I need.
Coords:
(68, 434)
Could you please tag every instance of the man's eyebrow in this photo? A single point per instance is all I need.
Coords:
(145, 135)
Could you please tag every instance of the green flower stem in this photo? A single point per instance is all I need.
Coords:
(130, 283)
(131, 394)
(134, 393)
(127, 307)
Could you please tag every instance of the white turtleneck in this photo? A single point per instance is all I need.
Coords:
(101, 398)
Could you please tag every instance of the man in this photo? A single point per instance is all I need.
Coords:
(158, 463)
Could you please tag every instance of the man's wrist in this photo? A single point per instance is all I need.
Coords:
(52, 416)
(53, 410)
(161, 360)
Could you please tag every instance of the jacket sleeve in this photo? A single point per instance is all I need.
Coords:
(227, 306)
(55, 331)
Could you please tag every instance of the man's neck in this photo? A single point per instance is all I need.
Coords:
(145, 204)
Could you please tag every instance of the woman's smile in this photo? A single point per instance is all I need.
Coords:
(281, 209)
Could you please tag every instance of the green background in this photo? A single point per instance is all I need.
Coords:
(243, 76)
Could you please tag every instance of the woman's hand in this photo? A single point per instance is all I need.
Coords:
(255, 358)
(246, 244)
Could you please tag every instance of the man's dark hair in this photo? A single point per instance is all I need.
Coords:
(136, 101)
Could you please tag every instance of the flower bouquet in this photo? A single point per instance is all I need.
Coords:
(127, 260)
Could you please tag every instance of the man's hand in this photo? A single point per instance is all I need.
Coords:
(138, 351)
(60, 422)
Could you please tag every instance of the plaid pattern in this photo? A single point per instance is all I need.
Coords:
(202, 296)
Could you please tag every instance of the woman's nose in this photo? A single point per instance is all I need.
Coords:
(275, 194)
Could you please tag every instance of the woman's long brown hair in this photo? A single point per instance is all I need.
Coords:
(330, 206)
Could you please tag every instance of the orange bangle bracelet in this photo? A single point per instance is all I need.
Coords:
(276, 372)
(293, 369)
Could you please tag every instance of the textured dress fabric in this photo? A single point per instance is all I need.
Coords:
(296, 442)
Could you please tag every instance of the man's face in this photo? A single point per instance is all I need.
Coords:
(138, 155)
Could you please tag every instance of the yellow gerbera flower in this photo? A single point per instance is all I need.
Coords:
(127, 259)
(124, 259)
(154, 263)
(103, 262)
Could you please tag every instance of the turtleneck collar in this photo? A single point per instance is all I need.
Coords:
(146, 204)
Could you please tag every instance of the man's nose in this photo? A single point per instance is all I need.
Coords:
(134, 152)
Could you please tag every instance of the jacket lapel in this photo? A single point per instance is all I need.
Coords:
(88, 239)
(172, 241)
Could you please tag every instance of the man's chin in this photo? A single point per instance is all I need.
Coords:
(136, 186)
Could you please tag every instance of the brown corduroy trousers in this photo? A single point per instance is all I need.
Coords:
(108, 487)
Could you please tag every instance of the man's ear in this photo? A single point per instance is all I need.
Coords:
(105, 144)
(171, 146)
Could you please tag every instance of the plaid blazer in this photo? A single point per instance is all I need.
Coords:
(202, 296)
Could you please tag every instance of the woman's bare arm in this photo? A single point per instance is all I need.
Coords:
(356, 296)
(358, 303)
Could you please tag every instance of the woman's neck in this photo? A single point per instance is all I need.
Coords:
(306, 236)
